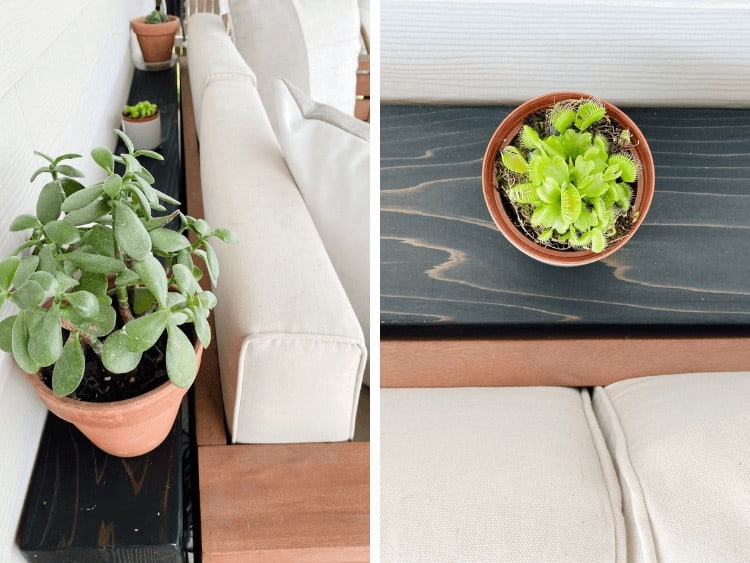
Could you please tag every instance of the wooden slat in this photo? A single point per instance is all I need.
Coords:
(209, 409)
(362, 104)
(575, 362)
(285, 502)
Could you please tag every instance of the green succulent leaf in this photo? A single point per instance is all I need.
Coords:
(30, 294)
(143, 201)
(227, 235)
(62, 233)
(94, 262)
(154, 278)
(149, 154)
(69, 369)
(8, 269)
(23, 222)
(184, 279)
(69, 171)
(6, 334)
(85, 303)
(45, 342)
(143, 300)
(112, 185)
(47, 281)
(82, 198)
(104, 158)
(27, 266)
(93, 283)
(513, 161)
(126, 278)
(117, 356)
(38, 171)
(49, 203)
(65, 283)
(142, 332)
(126, 140)
(182, 364)
(168, 241)
(207, 299)
(70, 186)
(101, 240)
(20, 345)
(212, 263)
(94, 211)
(202, 329)
(99, 325)
(130, 234)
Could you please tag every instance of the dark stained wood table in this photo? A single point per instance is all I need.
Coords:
(447, 271)
(82, 504)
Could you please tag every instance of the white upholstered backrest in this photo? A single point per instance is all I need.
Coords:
(644, 52)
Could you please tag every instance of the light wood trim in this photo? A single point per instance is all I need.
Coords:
(279, 502)
(362, 103)
(575, 362)
(209, 407)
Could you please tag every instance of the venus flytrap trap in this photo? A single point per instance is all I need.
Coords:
(570, 177)
(102, 271)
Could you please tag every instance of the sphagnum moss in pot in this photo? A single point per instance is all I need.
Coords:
(568, 178)
(103, 290)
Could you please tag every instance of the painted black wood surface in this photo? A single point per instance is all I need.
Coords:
(82, 504)
(445, 264)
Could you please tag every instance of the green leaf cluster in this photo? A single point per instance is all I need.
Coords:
(101, 252)
(140, 110)
(568, 184)
(156, 17)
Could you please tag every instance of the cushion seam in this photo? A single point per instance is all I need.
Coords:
(599, 446)
(634, 482)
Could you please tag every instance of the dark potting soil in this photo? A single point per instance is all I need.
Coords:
(521, 217)
(102, 386)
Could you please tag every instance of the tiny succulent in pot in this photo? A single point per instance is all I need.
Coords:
(102, 270)
(571, 178)
(157, 17)
(140, 110)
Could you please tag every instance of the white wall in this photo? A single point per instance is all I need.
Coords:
(65, 70)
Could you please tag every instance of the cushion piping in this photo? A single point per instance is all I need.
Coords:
(629, 481)
(609, 476)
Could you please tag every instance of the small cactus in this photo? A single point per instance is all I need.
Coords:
(156, 17)
(140, 110)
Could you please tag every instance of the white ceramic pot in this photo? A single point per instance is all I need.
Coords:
(145, 132)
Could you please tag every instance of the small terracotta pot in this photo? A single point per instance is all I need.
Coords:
(156, 39)
(121, 428)
(507, 132)
(145, 132)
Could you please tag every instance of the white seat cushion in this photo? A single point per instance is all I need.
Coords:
(312, 43)
(496, 474)
(681, 445)
(290, 348)
(328, 153)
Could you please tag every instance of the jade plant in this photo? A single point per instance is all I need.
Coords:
(140, 110)
(570, 177)
(156, 17)
(102, 270)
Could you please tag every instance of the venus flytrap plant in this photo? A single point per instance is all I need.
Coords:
(571, 184)
(93, 258)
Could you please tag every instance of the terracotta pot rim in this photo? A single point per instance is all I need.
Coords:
(506, 133)
(141, 22)
(140, 119)
(66, 404)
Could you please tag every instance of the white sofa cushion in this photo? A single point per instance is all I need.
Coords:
(328, 153)
(681, 445)
(680, 52)
(212, 56)
(291, 351)
(496, 474)
(312, 43)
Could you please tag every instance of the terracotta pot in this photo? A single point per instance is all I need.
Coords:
(121, 428)
(156, 39)
(145, 132)
(506, 133)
